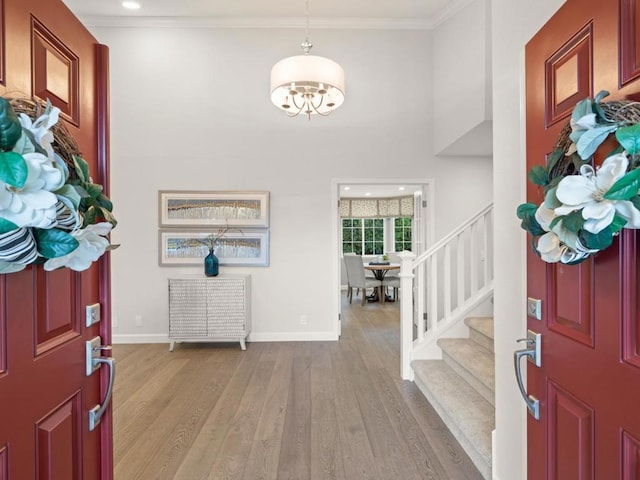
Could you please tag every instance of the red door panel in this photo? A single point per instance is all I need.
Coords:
(45, 395)
(589, 381)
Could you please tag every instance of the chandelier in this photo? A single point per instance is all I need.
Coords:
(307, 84)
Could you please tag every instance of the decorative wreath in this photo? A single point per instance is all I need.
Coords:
(585, 207)
(51, 212)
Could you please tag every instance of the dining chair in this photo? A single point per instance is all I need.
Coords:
(393, 282)
(346, 270)
(357, 278)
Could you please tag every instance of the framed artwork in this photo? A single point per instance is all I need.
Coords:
(211, 209)
(237, 247)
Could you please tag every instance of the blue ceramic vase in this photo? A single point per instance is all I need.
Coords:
(211, 264)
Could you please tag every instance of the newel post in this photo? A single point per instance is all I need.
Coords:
(406, 313)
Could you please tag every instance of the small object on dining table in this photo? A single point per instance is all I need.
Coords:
(379, 263)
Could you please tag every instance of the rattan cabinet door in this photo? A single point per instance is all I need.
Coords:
(226, 305)
(188, 308)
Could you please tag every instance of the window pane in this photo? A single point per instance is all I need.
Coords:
(357, 235)
(368, 235)
(357, 223)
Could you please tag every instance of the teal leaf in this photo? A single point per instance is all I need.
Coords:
(72, 196)
(553, 159)
(93, 189)
(629, 138)
(597, 241)
(10, 128)
(104, 202)
(636, 201)
(7, 226)
(526, 208)
(82, 168)
(626, 187)
(618, 223)
(601, 94)
(554, 222)
(581, 109)
(11, 267)
(53, 243)
(538, 175)
(90, 216)
(592, 139)
(526, 212)
(574, 221)
(13, 169)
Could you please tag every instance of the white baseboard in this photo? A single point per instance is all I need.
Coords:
(140, 338)
(253, 337)
(293, 337)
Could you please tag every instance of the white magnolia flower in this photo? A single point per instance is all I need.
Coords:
(586, 191)
(40, 128)
(92, 245)
(33, 205)
(550, 247)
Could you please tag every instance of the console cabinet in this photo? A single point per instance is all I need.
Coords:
(209, 309)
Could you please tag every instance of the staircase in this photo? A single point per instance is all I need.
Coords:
(448, 354)
(460, 387)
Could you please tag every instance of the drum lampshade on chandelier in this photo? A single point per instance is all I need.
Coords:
(307, 84)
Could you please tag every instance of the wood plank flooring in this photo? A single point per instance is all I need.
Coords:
(280, 411)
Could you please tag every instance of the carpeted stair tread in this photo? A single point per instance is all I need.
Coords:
(472, 362)
(465, 412)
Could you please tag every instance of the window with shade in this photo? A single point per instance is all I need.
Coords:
(376, 226)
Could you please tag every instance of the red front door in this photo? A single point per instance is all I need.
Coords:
(45, 395)
(589, 381)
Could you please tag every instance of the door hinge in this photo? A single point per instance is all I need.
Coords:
(424, 204)
(425, 316)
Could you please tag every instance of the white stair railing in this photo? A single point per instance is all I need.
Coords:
(444, 283)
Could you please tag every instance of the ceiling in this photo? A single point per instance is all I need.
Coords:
(378, 190)
(428, 12)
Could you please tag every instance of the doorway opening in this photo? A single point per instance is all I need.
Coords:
(422, 233)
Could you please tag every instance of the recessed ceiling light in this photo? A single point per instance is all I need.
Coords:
(401, 188)
(367, 194)
(131, 5)
(347, 188)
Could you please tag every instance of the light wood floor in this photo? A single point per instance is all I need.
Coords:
(280, 411)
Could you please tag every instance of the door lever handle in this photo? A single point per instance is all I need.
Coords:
(533, 353)
(95, 414)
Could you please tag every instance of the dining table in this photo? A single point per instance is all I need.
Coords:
(379, 270)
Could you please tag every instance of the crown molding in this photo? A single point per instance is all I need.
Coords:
(347, 23)
(283, 22)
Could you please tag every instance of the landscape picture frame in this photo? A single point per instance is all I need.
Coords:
(179, 247)
(199, 208)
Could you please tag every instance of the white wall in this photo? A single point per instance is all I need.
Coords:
(514, 23)
(462, 79)
(190, 110)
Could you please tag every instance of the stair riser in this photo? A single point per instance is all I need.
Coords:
(480, 387)
(481, 339)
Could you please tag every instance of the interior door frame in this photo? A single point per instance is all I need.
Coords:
(426, 233)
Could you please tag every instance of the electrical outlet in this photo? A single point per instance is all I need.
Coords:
(138, 320)
(303, 319)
